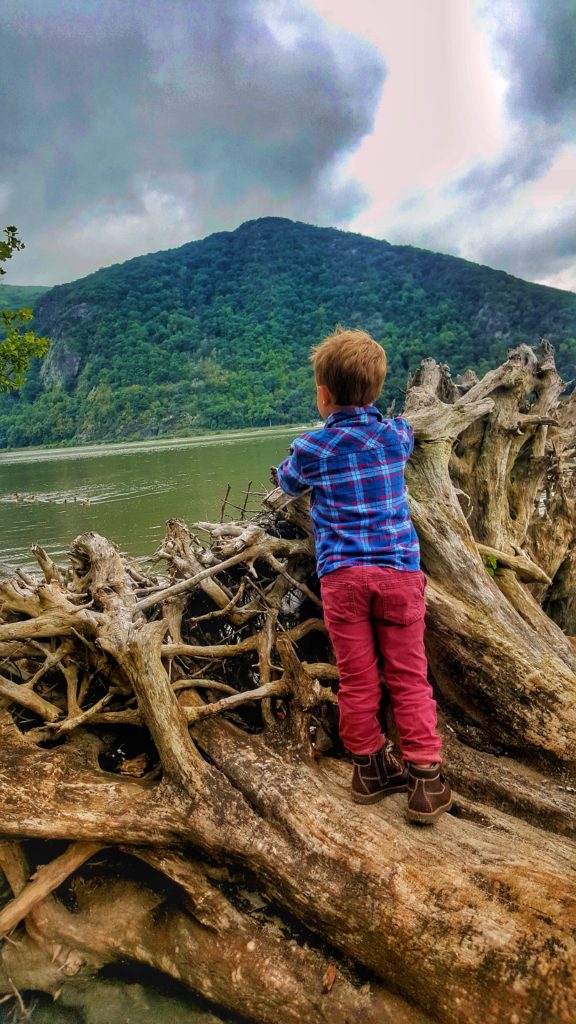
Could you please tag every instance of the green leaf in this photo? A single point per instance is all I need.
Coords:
(491, 563)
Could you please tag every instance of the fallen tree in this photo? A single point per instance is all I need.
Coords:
(172, 735)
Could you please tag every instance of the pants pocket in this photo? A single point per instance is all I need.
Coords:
(402, 603)
(339, 600)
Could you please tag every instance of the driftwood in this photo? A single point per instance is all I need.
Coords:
(175, 737)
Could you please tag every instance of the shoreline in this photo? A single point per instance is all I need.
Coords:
(86, 448)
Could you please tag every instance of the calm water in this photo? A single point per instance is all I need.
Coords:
(127, 491)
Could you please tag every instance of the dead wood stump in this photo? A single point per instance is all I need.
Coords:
(172, 733)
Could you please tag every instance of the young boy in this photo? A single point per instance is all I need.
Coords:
(368, 561)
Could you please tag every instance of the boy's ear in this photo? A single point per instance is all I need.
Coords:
(324, 394)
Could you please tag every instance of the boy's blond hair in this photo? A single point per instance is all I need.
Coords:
(351, 365)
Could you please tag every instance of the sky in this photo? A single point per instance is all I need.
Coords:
(129, 126)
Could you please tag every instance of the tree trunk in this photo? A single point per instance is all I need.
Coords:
(177, 736)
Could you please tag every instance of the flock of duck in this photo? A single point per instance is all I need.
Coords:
(34, 499)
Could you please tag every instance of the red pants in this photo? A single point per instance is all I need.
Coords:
(371, 610)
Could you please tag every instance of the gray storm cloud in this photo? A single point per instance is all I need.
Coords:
(537, 48)
(530, 152)
(534, 46)
(552, 246)
(222, 105)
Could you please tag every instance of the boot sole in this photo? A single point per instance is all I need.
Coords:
(424, 818)
(373, 798)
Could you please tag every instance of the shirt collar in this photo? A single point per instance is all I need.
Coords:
(354, 414)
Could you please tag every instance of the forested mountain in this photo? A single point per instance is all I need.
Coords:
(217, 332)
(18, 296)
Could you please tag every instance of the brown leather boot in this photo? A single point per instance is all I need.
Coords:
(377, 775)
(429, 794)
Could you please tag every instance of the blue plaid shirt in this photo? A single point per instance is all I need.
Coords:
(355, 467)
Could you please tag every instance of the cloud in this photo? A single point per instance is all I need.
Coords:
(530, 152)
(513, 205)
(535, 46)
(535, 234)
(526, 197)
(125, 124)
(529, 231)
(130, 127)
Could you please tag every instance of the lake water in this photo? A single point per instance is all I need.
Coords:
(127, 491)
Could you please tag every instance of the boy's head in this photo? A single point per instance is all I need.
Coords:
(350, 369)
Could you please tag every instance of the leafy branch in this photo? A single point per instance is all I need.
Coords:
(11, 245)
(18, 346)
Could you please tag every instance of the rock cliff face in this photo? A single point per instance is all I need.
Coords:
(63, 361)
(493, 322)
(61, 365)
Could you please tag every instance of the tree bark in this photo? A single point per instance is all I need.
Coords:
(186, 724)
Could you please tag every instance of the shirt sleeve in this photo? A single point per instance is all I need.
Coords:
(290, 475)
(406, 436)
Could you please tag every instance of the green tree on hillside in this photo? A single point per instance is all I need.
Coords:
(216, 334)
(17, 346)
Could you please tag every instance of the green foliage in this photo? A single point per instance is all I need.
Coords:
(17, 346)
(216, 334)
(491, 563)
(16, 296)
(11, 245)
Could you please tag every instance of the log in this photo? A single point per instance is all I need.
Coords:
(235, 861)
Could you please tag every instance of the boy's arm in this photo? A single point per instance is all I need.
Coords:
(290, 477)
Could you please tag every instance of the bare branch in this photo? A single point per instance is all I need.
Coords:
(19, 693)
(275, 689)
(44, 882)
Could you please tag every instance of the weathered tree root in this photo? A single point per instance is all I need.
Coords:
(178, 724)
